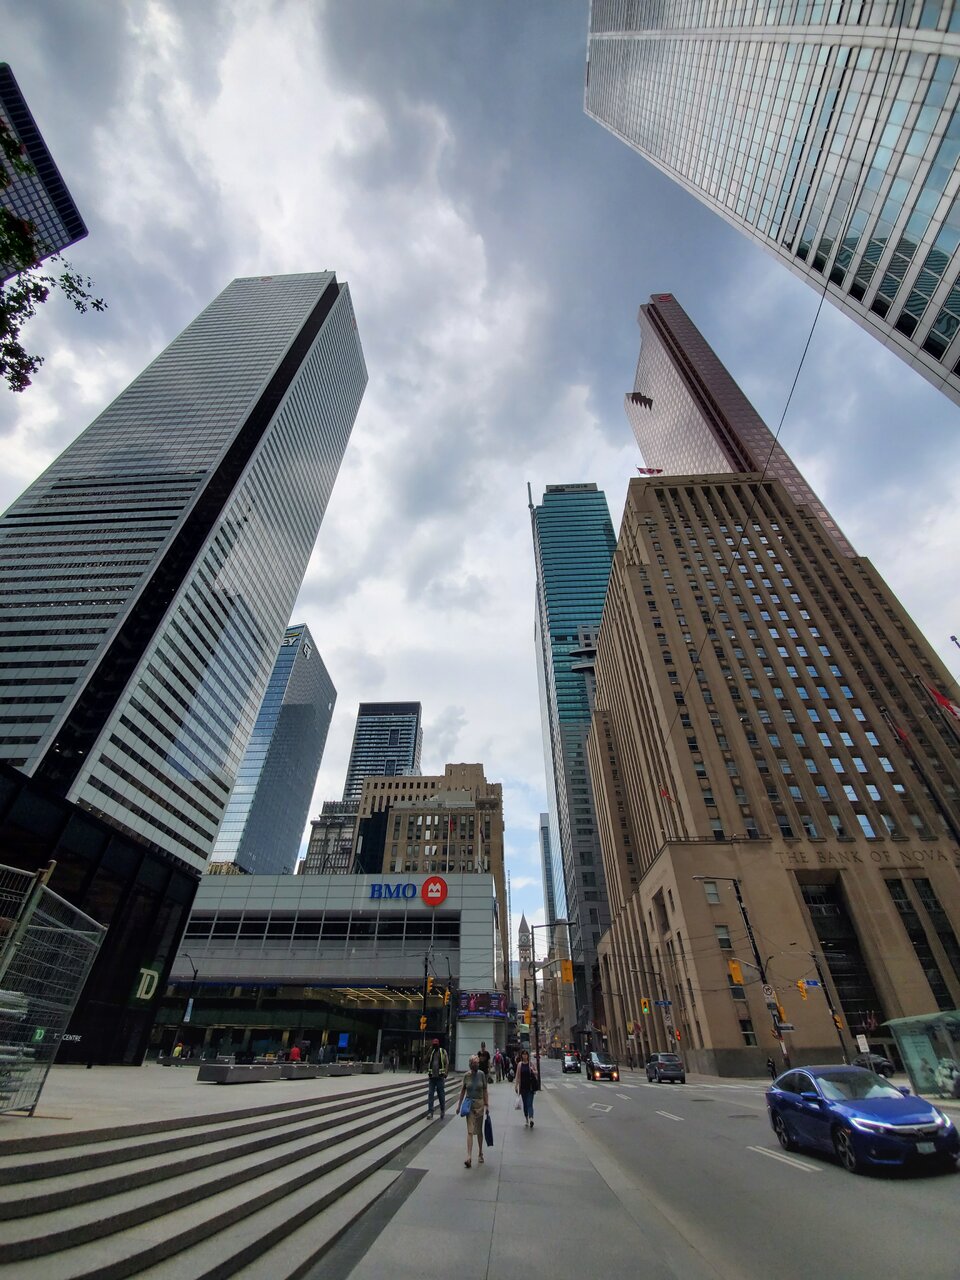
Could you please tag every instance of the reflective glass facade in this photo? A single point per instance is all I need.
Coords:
(573, 543)
(270, 800)
(41, 197)
(147, 577)
(691, 418)
(386, 744)
(827, 132)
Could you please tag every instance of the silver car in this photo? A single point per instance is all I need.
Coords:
(666, 1066)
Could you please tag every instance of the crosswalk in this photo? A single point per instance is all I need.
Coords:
(644, 1084)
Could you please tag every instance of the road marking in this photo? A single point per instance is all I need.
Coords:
(624, 1096)
(785, 1159)
(669, 1115)
(549, 1086)
(599, 1106)
(568, 1086)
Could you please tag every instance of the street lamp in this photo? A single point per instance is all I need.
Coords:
(756, 955)
(188, 1011)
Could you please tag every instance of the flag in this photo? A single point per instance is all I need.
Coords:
(650, 471)
(944, 703)
(666, 794)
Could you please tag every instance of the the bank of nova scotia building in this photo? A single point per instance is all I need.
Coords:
(336, 963)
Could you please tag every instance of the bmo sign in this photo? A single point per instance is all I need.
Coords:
(433, 890)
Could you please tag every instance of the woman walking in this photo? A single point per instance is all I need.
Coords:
(527, 1084)
(474, 1088)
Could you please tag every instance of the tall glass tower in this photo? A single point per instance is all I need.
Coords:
(573, 543)
(270, 800)
(148, 575)
(386, 744)
(828, 133)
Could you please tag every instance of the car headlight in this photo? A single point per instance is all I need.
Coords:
(944, 1120)
(867, 1126)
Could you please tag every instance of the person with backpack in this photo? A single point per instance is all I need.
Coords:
(437, 1065)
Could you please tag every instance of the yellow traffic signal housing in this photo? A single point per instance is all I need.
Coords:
(838, 1022)
(423, 1022)
(527, 1015)
(802, 988)
(644, 1005)
(429, 983)
(446, 996)
(566, 971)
(736, 973)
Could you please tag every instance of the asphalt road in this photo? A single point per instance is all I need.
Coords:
(706, 1156)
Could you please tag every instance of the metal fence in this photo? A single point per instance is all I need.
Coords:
(46, 949)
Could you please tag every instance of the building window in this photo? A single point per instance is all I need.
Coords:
(747, 1031)
(711, 890)
(722, 932)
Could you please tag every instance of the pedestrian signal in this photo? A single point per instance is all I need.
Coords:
(802, 988)
(423, 1022)
(645, 1005)
(677, 1033)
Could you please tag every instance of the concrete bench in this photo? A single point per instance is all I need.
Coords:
(371, 1068)
(299, 1070)
(225, 1073)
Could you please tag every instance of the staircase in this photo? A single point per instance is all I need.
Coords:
(253, 1192)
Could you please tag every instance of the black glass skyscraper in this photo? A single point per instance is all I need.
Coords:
(386, 744)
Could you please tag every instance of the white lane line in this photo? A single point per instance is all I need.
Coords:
(669, 1115)
(624, 1096)
(568, 1086)
(549, 1086)
(785, 1159)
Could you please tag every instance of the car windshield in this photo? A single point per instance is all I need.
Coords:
(669, 1057)
(848, 1086)
(602, 1061)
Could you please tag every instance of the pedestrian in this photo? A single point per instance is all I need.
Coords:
(498, 1066)
(528, 1083)
(294, 1054)
(772, 1068)
(483, 1058)
(474, 1088)
(437, 1064)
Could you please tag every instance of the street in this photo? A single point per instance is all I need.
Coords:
(707, 1157)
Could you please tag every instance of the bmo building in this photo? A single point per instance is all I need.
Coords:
(338, 965)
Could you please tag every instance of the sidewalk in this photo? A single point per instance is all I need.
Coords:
(547, 1202)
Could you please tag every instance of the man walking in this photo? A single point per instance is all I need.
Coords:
(437, 1064)
(484, 1056)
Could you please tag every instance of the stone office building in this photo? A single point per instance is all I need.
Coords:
(767, 725)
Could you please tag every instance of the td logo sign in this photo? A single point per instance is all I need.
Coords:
(434, 891)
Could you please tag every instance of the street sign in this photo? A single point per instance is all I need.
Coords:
(787, 1026)
(811, 982)
(863, 1044)
(663, 1004)
(768, 992)
(667, 1018)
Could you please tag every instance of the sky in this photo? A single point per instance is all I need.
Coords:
(497, 244)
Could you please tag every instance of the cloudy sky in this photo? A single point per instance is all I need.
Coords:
(497, 244)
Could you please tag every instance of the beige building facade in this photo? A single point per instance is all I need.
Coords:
(776, 786)
(449, 823)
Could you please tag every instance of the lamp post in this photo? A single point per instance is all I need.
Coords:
(188, 1011)
(829, 999)
(778, 1034)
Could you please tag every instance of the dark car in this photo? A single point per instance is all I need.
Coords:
(666, 1066)
(600, 1067)
(859, 1116)
(571, 1062)
(875, 1062)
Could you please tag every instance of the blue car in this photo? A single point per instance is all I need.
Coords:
(860, 1117)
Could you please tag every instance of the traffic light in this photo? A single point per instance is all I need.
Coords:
(446, 996)
(736, 973)
(802, 988)
(429, 983)
(566, 971)
(677, 1032)
(527, 1015)
(838, 1022)
(423, 1022)
(644, 1005)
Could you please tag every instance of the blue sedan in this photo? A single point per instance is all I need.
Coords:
(862, 1118)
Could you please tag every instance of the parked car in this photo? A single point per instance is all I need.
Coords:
(875, 1062)
(860, 1117)
(601, 1067)
(666, 1066)
(571, 1062)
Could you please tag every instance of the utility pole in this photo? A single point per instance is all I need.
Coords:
(423, 1010)
(837, 1020)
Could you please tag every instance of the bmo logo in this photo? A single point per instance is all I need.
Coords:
(434, 891)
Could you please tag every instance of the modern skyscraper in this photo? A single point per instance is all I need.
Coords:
(148, 576)
(691, 418)
(573, 543)
(41, 197)
(767, 744)
(386, 743)
(546, 866)
(827, 133)
(268, 806)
